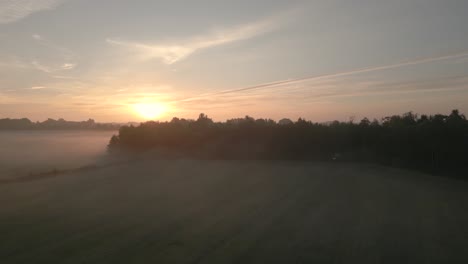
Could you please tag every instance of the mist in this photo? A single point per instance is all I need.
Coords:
(30, 152)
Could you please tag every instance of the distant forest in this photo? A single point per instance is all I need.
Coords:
(52, 124)
(435, 143)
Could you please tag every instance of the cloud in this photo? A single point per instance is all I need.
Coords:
(68, 66)
(37, 37)
(360, 89)
(341, 74)
(38, 87)
(311, 95)
(172, 53)
(321, 88)
(64, 52)
(41, 67)
(14, 10)
(51, 69)
(63, 77)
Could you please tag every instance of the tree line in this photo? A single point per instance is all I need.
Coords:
(435, 143)
(52, 124)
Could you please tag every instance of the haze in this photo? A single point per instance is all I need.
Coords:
(31, 152)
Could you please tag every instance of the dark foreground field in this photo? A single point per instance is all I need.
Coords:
(235, 212)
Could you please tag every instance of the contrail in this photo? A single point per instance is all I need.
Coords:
(328, 76)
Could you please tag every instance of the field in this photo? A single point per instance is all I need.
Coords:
(235, 212)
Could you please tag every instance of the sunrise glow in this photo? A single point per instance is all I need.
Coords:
(149, 111)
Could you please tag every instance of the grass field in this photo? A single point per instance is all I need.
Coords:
(235, 212)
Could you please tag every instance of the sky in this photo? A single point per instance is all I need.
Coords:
(121, 60)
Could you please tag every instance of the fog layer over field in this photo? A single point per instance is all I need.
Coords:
(25, 152)
(182, 211)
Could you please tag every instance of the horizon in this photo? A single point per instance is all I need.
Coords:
(153, 60)
(352, 119)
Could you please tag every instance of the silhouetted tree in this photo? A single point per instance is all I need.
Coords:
(434, 143)
(60, 124)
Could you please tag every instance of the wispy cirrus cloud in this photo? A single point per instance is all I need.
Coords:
(38, 87)
(68, 66)
(348, 86)
(65, 59)
(14, 10)
(63, 52)
(288, 82)
(334, 93)
(65, 55)
(51, 69)
(38, 66)
(174, 52)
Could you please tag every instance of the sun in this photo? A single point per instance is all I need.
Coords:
(149, 110)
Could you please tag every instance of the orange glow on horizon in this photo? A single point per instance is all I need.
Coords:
(149, 111)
